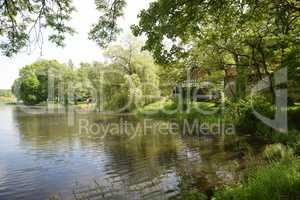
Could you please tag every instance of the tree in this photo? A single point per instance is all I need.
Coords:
(83, 86)
(256, 35)
(129, 79)
(96, 80)
(106, 29)
(33, 83)
(30, 90)
(22, 22)
(138, 66)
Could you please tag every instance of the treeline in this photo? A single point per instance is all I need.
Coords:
(5, 93)
(246, 40)
(242, 42)
(6, 96)
(129, 78)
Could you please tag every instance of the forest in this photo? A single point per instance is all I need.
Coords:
(248, 51)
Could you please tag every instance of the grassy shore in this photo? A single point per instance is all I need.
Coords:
(277, 177)
(279, 180)
(167, 109)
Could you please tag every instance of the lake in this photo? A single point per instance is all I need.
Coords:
(50, 155)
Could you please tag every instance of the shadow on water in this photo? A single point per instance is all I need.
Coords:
(44, 157)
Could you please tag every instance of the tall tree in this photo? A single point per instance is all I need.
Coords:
(33, 83)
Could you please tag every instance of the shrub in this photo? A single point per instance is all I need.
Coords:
(241, 113)
(290, 138)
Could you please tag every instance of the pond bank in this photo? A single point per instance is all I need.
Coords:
(241, 172)
(259, 182)
(51, 158)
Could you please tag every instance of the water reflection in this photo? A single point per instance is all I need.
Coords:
(43, 156)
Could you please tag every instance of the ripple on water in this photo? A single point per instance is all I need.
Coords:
(44, 157)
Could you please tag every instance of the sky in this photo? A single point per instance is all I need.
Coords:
(78, 47)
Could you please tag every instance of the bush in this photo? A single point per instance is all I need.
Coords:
(289, 138)
(241, 113)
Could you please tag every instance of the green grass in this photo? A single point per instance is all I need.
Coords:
(170, 110)
(276, 181)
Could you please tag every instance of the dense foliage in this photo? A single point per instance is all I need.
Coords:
(32, 85)
(256, 38)
(130, 79)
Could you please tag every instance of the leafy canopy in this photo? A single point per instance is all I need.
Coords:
(22, 23)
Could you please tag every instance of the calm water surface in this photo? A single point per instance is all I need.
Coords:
(42, 156)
